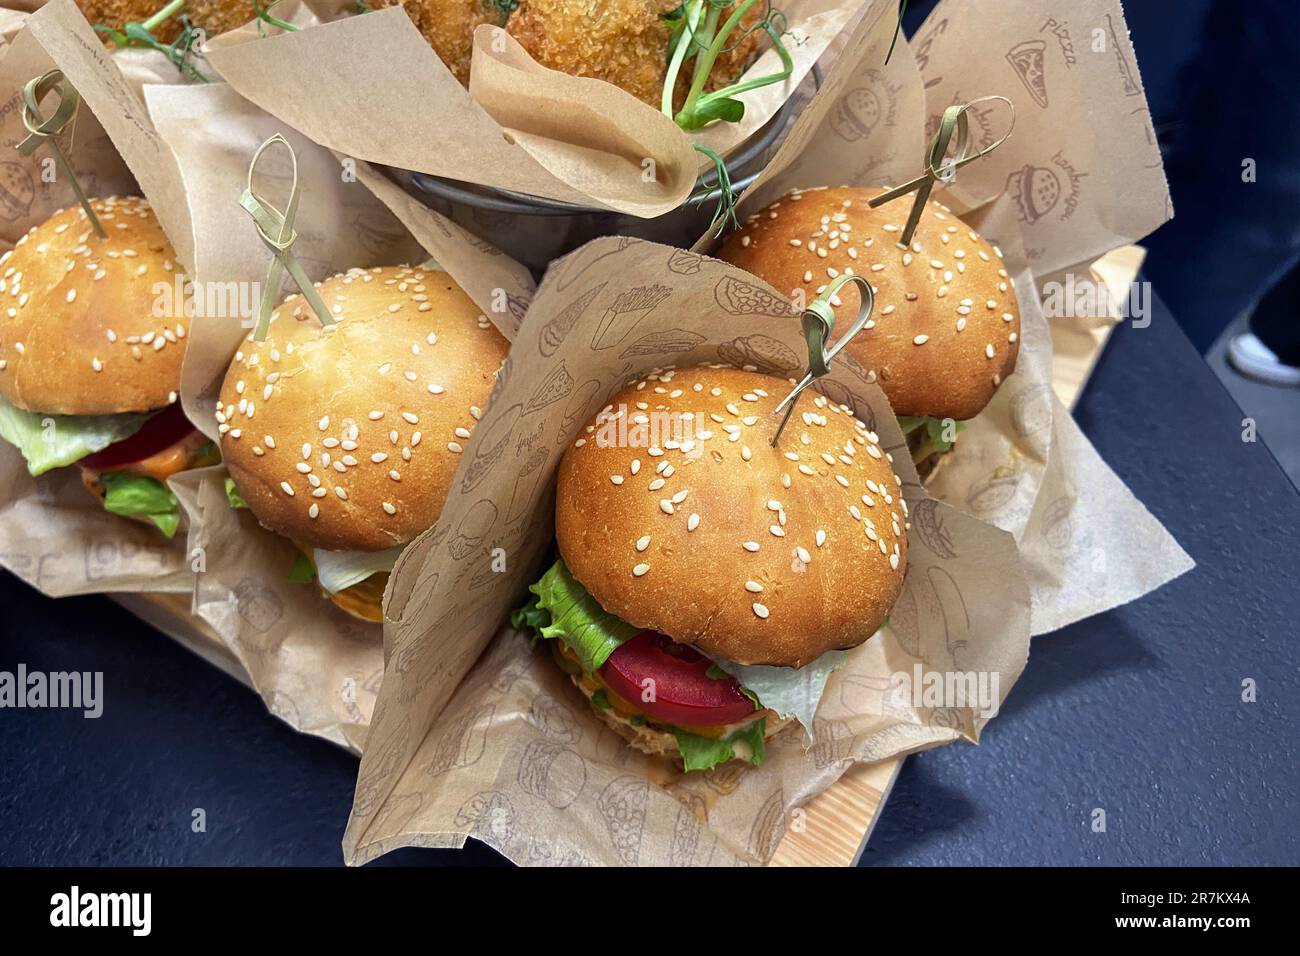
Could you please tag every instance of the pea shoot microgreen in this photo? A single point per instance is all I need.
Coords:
(180, 51)
(698, 35)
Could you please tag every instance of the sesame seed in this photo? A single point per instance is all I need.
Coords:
(286, 488)
(388, 507)
(761, 610)
(643, 542)
(750, 545)
(893, 561)
(454, 447)
(920, 340)
(803, 554)
(640, 569)
(692, 522)
(616, 479)
(753, 587)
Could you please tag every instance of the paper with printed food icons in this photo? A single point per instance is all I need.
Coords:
(316, 666)
(478, 733)
(519, 126)
(53, 533)
(1022, 464)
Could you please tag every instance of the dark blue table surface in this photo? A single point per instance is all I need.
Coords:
(1137, 711)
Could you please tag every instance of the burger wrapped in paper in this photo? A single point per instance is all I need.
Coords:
(344, 438)
(708, 583)
(90, 360)
(945, 330)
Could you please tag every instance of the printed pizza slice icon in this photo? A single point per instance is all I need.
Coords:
(1028, 59)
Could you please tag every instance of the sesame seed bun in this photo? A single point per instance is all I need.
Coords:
(347, 438)
(77, 331)
(734, 546)
(947, 327)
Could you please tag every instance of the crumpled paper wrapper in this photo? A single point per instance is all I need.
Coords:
(1054, 197)
(498, 745)
(317, 667)
(388, 99)
(53, 533)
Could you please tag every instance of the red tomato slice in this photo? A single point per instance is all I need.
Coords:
(684, 693)
(161, 431)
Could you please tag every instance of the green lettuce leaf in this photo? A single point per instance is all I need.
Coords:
(302, 571)
(935, 428)
(529, 617)
(128, 494)
(704, 753)
(53, 441)
(574, 617)
(232, 494)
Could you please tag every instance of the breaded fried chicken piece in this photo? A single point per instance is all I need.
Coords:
(624, 42)
(214, 16)
(449, 25)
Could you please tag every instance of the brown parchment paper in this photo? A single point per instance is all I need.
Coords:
(53, 533)
(501, 749)
(317, 667)
(387, 98)
(1078, 177)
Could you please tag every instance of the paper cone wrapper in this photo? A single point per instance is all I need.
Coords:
(317, 667)
(499, 745)
(53, 533)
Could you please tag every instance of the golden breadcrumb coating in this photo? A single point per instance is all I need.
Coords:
(448, 25)
(214, 16)
(624, 42)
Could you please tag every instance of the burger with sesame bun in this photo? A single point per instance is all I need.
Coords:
(344, 438)
(945, 330)
(709, 583)
(89, 369)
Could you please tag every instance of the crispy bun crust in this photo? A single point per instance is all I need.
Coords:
(371, 412)
(77, 333)
(921, 291)
(695, 585)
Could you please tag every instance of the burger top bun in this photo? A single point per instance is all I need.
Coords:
(78, 333)
(347, 438)
(946, 327)
(754, 554)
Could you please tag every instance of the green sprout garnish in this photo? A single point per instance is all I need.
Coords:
(898, 28)
(724, 213)
(263, 15)
(696, 35)
(179, 51)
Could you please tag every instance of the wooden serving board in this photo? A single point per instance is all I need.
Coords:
(836, 824)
